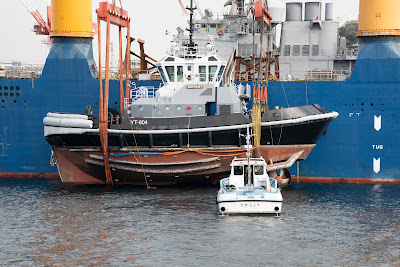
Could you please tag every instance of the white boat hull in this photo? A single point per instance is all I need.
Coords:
(249, 207)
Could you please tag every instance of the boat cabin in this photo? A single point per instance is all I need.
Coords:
(257, 177)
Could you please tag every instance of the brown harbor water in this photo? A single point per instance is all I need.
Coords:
(44, 223)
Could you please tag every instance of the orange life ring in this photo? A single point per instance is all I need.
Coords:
(221, 32)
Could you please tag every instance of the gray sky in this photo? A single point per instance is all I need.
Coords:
(150, 21)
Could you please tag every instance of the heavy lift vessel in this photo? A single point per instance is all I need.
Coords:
(362, 144)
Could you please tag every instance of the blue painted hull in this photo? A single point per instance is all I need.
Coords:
(349, 149)
(353, 141)
(66, 85)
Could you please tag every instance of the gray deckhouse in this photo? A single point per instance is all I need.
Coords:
(191, 87)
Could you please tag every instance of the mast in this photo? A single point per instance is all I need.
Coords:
(248, 154)
(191, 25)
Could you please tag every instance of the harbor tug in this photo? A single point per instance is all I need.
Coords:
(187, 131)
(249, 189)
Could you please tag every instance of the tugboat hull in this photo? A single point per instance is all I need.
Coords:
(145, 154)
(156, 167)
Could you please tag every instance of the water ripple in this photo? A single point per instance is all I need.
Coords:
(44, 223)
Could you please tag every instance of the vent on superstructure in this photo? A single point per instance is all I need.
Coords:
(225, 109)
(315, 50)
(296, 50)
(306, 50)
(286, 51)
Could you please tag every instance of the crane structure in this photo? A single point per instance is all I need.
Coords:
(43, 27)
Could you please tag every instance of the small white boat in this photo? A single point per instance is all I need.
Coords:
(249, 189)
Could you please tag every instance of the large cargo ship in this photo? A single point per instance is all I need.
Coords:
(361, 145)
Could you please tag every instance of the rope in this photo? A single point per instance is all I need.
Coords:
(272, 138)
(188, 141)
(306, 92)
(53, 159)
(280, 136)
(140, 159)
(133, 153)
(211, 153)
(287, 102)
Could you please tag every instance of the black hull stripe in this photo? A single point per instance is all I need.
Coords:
(307, 119)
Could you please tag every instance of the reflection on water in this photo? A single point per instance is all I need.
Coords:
(44, 223)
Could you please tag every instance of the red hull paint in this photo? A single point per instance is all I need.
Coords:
(87, 167)
(301, 179)
(346, 180)
(29, 175)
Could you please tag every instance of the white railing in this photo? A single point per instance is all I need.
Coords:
(321, 75)
(346, 52)
(143, 92)
(127, 102)
(20, 70)
(186, 52)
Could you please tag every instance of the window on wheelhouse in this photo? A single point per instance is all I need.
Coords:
(221, 70)
(211, 72)
(203, 73)
(162, 74)
(238, 170)
(170, 73)
(259, 170)
(179, 73)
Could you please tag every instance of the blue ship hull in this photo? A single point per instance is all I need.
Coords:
(362, 143)
(355, 148)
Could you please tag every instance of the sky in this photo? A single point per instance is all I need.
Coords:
(150, 20)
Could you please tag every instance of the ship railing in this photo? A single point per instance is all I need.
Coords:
(143, 92)
(346, 52)
(145, 75)
(20, 70)
(127, 102)
(321, 75)
(136, 74)
(188, 52)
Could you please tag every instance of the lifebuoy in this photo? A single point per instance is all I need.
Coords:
(221, 32)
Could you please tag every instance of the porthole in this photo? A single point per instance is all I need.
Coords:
(12, 88)
(200, 108)
(166, 108)
(5, 94)
(178, 108)
(141, 108)
(1, 88)
(18, 94)
(1, 94)
(18, 88)
(11, 94)
(5, 88)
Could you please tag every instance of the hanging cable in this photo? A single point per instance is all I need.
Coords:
(283, 88)
(305, 82)
(140, 158)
